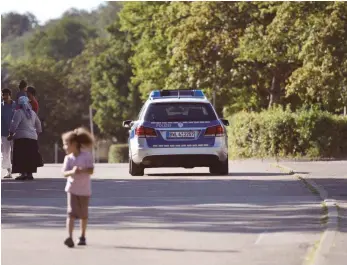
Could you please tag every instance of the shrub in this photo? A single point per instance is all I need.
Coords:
(118, 153)
(282, 133)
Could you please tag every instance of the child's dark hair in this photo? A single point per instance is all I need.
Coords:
(31, 90)
(6, 91)
(22, 85)
(81, 136)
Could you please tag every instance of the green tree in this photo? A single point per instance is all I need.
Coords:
(303, 48)
(80, 70)
(15, 24)
(203, 45)
(322, 79)
(114, 97)
(190, 45)
(142, 22)
(266, 46)
(61, 41)
(99, 18)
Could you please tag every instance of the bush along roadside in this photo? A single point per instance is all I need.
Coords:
(276, 132)
(118, 153)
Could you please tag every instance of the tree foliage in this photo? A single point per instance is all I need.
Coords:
(16, 25)
(322, 79)
(114, 97)
(99, 18)
(251, 54)
(150, 62)
(63, 41)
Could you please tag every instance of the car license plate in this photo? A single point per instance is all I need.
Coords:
(180, 134)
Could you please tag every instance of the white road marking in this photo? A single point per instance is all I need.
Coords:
(260, 237)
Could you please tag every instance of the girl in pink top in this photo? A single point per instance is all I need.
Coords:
(78, 167)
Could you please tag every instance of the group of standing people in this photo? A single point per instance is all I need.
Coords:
(20, 127)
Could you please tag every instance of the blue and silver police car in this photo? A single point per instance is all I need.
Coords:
(177, 128)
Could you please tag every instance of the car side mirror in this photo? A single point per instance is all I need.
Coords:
(225, 122)
(127, 123)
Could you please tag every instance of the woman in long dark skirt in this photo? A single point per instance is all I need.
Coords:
(24, 130)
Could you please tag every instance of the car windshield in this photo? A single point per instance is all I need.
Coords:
(162, 112)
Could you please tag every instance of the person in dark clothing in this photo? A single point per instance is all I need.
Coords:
(8, 107)
(24, 130)
(31, 91)
(22, 90)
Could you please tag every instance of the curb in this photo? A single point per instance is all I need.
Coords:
(328, 237)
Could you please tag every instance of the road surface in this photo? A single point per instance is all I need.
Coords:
(332, 177)
(256, 215)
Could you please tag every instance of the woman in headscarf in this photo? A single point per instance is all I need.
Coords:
(24, 129)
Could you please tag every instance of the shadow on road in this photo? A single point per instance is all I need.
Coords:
(207, 205)
(233, 174)
(336, 188)
(167, 249)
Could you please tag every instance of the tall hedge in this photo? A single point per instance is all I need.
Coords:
(282, 133)
(118, 153)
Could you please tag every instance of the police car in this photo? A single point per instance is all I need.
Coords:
(177, 128)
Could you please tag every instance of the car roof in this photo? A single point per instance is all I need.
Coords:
(179, 100)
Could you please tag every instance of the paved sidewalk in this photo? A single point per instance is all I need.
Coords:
(332, 176)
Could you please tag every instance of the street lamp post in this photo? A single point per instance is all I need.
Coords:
(214, 97)
(344, 97)
(56, 153)
(216, 84)
(91, 127)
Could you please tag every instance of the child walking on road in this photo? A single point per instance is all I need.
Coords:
(78, 167)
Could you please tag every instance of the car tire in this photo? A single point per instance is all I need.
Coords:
(134, 169)
(220, 168)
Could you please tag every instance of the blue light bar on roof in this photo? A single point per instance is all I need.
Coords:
(155, 94)
(198, 93)
(176, 94)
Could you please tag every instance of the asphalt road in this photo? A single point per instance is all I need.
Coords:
(256, 215)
